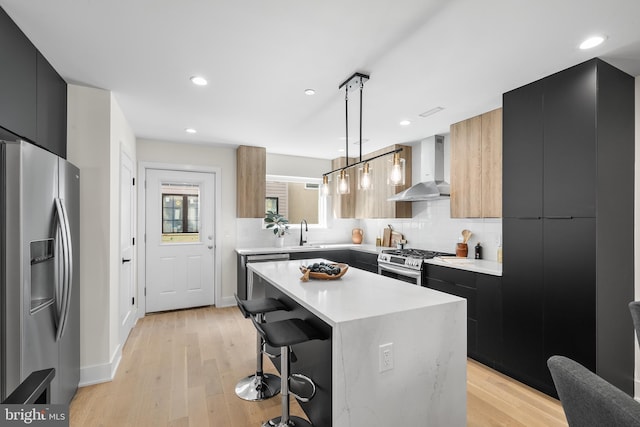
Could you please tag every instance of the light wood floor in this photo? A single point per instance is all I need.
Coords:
(180, 368)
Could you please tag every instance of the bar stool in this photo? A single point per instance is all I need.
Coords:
(258, 386)
(284, 334)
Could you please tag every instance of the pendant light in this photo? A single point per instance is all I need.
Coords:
(396, 170)
(343, 183)
(364, 178)
(324, 187)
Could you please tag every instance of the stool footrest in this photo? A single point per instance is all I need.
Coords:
(293, 422)
(299, 384)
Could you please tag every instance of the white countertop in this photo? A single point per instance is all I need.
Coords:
(476, 265)
(355, 296)
(310, 248)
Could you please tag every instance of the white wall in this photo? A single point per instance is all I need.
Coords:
(88, 148)
(202, 155)
(97, 130)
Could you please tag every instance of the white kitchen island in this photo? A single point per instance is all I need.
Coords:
(361, 312)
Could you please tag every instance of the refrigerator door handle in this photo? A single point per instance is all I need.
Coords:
(66, 268)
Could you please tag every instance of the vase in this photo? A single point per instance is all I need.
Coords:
(356, 236)
(279, 241)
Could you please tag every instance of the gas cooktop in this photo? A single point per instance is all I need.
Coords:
(407, 258)
(415, 253)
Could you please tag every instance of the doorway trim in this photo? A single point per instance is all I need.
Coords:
(142, 212)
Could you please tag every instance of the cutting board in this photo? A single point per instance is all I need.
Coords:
(395, 238)
(386, 237)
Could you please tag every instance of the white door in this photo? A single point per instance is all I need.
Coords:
(127, 221)
(179, 239)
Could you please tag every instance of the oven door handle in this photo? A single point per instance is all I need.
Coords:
(402, 271)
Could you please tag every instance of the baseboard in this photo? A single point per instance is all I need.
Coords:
(226, 302)
(96, 374)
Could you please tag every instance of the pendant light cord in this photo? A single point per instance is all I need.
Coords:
(346, 121)
(361, 87)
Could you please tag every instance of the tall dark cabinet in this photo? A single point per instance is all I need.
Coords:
(568, 191)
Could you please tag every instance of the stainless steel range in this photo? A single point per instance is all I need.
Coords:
(405, 264)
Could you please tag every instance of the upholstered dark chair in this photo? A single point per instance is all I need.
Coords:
(588, 400)
(634, 307)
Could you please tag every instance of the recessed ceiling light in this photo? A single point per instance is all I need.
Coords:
(405, 123)
(199, 81)
(190, 130)
(431, 112)
(309, 92)
(592, 42)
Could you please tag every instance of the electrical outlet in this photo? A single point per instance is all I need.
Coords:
(385, 357)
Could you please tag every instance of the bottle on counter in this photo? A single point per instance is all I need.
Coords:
(500, 254)
(478, 251)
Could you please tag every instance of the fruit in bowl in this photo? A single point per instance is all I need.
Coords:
(323, 271)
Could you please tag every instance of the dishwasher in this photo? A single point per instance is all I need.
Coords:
(248, 288)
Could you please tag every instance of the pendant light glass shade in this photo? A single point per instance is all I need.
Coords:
(324, 187)
(396, 170)
(365, 181)
(343, 183)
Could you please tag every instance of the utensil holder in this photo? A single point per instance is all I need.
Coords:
(462, 250)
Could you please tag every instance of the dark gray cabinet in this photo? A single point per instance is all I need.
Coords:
(484, 318)
(364, 261)
(339, 255)
(522, 152)
(569, 142)
(51, 109)
(17, 80)
(568, 205)
(33, 105)
(522, 295)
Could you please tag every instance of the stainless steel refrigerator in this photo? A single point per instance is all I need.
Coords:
(39, 249)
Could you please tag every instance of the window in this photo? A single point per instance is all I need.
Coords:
(271, 205)
(180, 213)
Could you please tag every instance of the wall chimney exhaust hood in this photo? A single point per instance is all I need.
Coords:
(432, 159)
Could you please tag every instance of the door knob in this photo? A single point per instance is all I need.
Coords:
(125, 260)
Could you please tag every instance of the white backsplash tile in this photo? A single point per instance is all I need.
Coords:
(430, 228)
(433, 228)
(251, 234)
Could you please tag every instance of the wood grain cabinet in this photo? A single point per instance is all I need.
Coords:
(372, 203)
(251, 178)
(476, 166)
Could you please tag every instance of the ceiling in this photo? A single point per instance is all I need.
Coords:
(260, 55)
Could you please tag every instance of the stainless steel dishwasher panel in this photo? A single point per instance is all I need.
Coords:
(255, 288)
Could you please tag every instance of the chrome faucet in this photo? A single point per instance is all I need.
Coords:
(306, 228)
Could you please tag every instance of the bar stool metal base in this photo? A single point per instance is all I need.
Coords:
(255, 389)
(293, 421)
